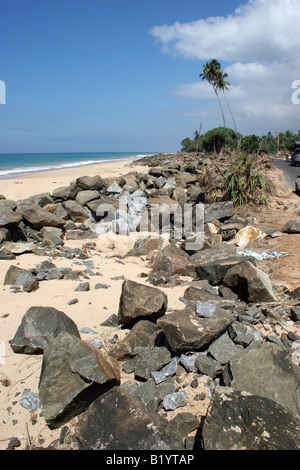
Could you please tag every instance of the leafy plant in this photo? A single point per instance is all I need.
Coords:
(243, 184)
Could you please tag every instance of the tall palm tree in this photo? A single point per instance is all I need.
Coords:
(211, 71)
(222, 84)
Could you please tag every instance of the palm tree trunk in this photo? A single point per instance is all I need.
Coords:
(239, 141)
(220, 106)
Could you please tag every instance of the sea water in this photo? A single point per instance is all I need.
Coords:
(19, 164)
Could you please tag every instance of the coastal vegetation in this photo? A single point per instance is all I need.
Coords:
(220, 138)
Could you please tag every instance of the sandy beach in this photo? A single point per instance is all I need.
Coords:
(21, 372)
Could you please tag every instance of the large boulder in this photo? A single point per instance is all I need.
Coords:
(38, 328)
(138, 301)
(16, 276)
(218, 211)
(170, 261)
(293, 226)
(118, 421)
(186, 331)
(76, 212)
(143, 333)
(238, 420)
(250, 283)
(37, 217)
(74, 373)
(265, 369)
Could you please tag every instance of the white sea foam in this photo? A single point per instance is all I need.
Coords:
(21, 171)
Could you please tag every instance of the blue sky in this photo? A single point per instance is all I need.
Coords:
(123, 75)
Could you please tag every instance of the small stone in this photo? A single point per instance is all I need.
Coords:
(83, 287)
(30, 401)
(101, 286)
(174, 400)
(73, 301)
(205, 310)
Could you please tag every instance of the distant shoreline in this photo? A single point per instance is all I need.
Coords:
(22, 171)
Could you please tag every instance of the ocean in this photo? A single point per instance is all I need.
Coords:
(19, 164)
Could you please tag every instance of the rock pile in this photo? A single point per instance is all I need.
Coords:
(213, 353)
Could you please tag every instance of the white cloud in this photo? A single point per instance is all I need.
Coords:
(260, 41)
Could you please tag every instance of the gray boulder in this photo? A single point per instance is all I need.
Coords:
(76, 211)
(185, 331)
(250, 283)
(265, 369)
(118, 421)
(143, 333)
(293, 226)
(38, 328)
(238, 420)
(138, 301)
(147, 360)
(218, 211)
(37, 217)
(74, 373)
(16, 276)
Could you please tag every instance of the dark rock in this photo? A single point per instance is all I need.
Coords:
(74, 373)
(112, 321)
(144, 246)
(83, 287)
(143, 333)
(83, 197)
(147, 360)
(295, 313)
(38, 328)
(265, 369)
(169, 261)
(223, 349)
(78, 234)
(138, 301)
(37, 218)
(208, 366)
(148, 430)
(31, 285)
(249, 283)
(185, 331)
(237, 420)
(76, 211)
(216, 270)
(17, 276)
(219, 211)
(292, 226)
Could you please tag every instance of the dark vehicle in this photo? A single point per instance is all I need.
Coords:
(297, 185)
(295, 159)
(296, 154)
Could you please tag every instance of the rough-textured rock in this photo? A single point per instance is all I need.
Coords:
(208, 366)
(138, 302)
(119, 421)
(143, 333)
(38, 328)
(17, 276)
(37, 217)
(169, 261)
(238, 420)
(265, 369)
(147, 360)
(185, 331)
(223, 349)
(216, 270)
(83, 197)
(293, 226)
(74, 373)
(250, 283)
(76, 211)
(219, 211)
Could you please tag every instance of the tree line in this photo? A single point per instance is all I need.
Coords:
(219, 138)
